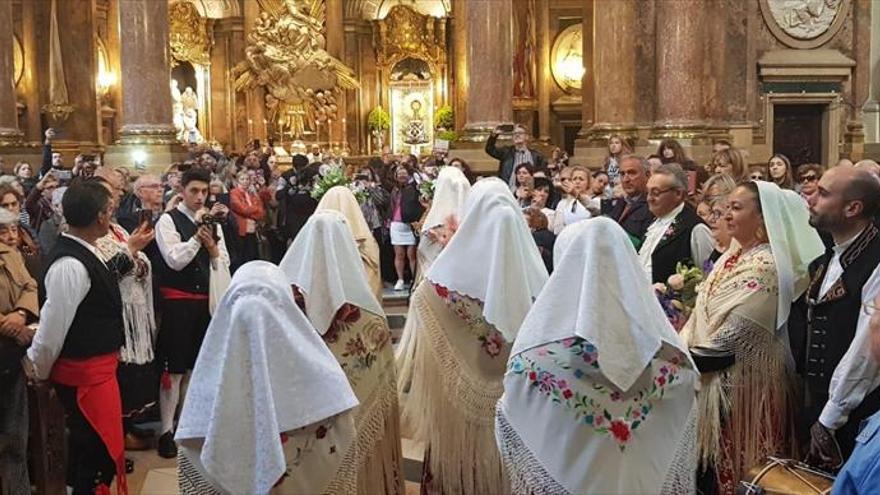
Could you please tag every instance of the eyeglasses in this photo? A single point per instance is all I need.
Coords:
(656, 193)
(756, 177)
(808, 178)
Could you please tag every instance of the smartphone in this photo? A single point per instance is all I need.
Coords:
(145, 217)
(506, 128)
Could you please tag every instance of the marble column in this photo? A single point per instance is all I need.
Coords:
(229, 125)
(489, 67)
(146, 96)
(854, 136)
(9, 133)
(255, 99)
(681, 38)
(544, 76)
(335, 34)
(612, 109)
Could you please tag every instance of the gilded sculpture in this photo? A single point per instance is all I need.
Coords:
(188, 34)
(286, 55)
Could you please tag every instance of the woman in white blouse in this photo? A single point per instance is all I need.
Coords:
(577, 204)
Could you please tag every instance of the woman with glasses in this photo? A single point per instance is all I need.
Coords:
(757, 172)
(808, 179)
(737, 334)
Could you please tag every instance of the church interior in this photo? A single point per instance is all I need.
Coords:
(135, 80)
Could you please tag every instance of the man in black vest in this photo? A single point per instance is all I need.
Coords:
(77, 344)
(632, 212)
(677, 235)
(193, 252)
(829, 332)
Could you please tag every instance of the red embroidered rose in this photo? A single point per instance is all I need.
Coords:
(441, 291)
(661, 380)
(533, 376)
(620, 431)
(348, 313)
(567, 393)
(321, 432)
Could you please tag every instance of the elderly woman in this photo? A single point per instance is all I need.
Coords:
(324, 267)
(605, 372)
(737, 333)
(468, 310)
(342, 200)
(18, 307)
(11, 199)
(268, 408)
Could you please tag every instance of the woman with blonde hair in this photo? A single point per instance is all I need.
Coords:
(729, 162)
(342, 200)
(737, 333)
(618, 147)
(577, 205)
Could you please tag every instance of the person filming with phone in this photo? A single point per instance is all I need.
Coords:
(509, 157)
(195, 272)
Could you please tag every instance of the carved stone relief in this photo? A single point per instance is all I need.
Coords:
(805, 23)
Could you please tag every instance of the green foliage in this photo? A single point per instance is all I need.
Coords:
(447, 135)
(444, 118)
(379, 120)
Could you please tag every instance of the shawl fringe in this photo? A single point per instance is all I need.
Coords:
(454, 414)
(526, 473)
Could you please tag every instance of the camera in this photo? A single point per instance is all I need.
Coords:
(210, 220)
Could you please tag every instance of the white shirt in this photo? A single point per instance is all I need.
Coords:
(569, 211)
(702, 242)
(857, 374)
(67, 283)
(176, 253)
(835, 270)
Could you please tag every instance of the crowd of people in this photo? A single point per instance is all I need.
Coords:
(240, 304)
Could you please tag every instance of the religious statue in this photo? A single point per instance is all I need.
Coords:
(286, 55)
(176, 107)
(415, 131)
(185, 112)
(804, 19)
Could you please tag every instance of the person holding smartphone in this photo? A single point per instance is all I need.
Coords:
(509, 157)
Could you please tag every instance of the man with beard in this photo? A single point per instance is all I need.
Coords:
(829, 326)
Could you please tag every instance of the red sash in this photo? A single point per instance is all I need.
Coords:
(97, 395)
(172, 294)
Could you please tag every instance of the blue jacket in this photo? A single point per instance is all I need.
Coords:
(861, 473)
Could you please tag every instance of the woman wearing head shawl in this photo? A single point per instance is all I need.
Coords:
(268, 408)
(468, 311)
(324, 267)
(341, 199)
(450, 193)
(737, 333)
(599, 392)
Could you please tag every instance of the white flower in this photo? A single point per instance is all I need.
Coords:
(676, 281)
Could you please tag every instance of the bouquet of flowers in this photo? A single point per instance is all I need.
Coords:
(426, 190)
(679, 294)
(334, 176)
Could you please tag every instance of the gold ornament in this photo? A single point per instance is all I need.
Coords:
(188, 34)
(405, 33)
(286, 54)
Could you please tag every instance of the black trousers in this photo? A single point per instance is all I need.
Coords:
(89, 464)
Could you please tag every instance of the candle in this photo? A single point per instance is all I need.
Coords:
(250, 128)
(266, 128)
(329, 131)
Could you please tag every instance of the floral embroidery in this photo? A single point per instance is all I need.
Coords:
(304, 444)
(356, 351)
(491, 340)
(585, 407)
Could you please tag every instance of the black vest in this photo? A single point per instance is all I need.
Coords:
(676, 247)
(830, 327)
(195, 276)
(97, 327)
